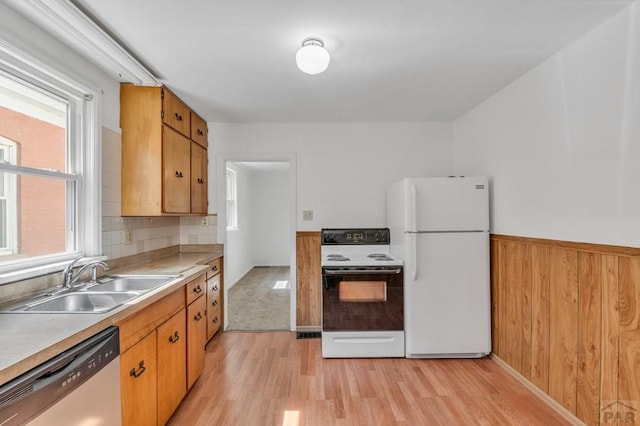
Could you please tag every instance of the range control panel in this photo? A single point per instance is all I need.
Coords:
(355, 236)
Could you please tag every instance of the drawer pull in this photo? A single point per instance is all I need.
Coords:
(179, 174)
(200, 133)
(197, 290)
(215, 288)
(137, 373)
(215, 320)
(215, 302)
(178, 117)
(198, 317)
(200, 180)
(174, 338)
(215, 268)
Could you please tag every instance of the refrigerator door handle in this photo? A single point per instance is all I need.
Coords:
(413, 226)
(414, 250)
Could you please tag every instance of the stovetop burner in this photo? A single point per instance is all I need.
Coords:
(357, 247)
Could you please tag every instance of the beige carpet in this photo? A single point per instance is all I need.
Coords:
(260, 300)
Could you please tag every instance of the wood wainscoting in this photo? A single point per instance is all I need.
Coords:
(567, 317)
(308, 278)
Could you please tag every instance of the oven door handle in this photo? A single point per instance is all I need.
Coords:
(362, 272)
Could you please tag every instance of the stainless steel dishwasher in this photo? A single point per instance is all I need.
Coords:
(80, 386)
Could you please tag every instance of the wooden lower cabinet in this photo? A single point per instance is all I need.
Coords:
(172, 365)
(214, 305)
(215, 298)
(163, 354)
(138, 382)
(196, 338)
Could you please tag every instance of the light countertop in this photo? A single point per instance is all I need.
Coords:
(29, 339)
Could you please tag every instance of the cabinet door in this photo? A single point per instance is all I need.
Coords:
(309, 293)
(198, 179)
(198, 129)
(138, 369)
(214, 306)
(176, 172)
(175, 113)
(172, 365)
(196, 339)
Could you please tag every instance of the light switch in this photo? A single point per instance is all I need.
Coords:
(307, 215)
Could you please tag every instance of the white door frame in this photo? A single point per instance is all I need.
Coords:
(221, 166)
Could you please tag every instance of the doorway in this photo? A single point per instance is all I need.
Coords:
(256, 223)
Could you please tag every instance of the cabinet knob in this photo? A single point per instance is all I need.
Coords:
(215, 320)
(174, 338)
(215, 268)
(197, 290)
(178, 117)
(137, 373)
(198, 317)
(215, 302)
(179, 174)
(200, 133)
(215, 288)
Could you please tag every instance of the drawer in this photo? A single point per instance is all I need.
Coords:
(136, 327)
(214, 320)
(175, 113)
(198, 130)
(214, 268)
(195, 288)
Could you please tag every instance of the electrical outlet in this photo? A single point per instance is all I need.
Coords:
(205, 221)
(128, 237)
(148, 220)
(307, 215)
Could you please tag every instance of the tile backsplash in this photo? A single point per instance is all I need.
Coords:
(152, 233)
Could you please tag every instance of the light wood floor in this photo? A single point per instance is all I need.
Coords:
(274, 379)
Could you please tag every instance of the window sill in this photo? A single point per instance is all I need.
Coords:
(40, 270)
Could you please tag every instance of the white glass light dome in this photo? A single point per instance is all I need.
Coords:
(312, 58)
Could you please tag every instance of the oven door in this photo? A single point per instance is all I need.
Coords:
(362, 299)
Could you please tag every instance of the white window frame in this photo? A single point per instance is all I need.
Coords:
(9, 191)
(84, 167)
(231, 186)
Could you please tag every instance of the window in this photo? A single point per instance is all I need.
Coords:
(232, 201)
(49, 168)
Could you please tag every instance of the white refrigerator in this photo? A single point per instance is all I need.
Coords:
(440, 228)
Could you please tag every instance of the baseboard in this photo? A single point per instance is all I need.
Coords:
(557, 407)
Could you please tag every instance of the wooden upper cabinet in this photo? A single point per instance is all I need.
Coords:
(156, 144)
(198, 179)
(198, 130)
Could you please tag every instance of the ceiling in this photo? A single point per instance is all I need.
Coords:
(391, 61)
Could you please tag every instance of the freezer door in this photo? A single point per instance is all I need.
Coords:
(447, 204)
(447, 295)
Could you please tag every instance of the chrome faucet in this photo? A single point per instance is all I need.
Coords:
(69, 277)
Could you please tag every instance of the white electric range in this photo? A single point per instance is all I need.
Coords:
(362, 295)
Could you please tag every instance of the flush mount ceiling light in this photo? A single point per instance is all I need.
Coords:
(312, 58)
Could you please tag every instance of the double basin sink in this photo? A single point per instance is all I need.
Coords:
(109, 293)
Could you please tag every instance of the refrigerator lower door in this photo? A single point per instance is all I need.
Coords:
(447, 295)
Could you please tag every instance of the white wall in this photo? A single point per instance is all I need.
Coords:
(270, 218)
(343, 169)
(238, 252)
(563, 142)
